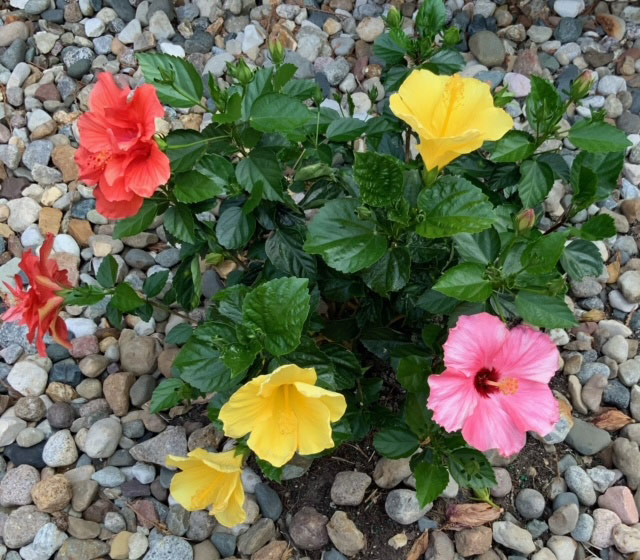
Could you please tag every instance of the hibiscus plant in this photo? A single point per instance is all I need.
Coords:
(349, 244)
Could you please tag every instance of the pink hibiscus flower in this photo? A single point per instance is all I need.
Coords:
(495, 386)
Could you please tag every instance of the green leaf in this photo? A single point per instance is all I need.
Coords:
(217, 169)
(581, 258)
(413, 372)
(465, 282)
(445, 61)
(544, 106)
(598, 227)
(184, 149)
(84, 295)
(179, 334)
(396, 443)
(285, 250)
(544, 311)
(260, 85)
(230, 301)
(453, 205)
(431, 481)
(276, 112)
(193, 186)
(346, 242)
(269, 471)
(431, 17)
(126, 299)
(346, 130)
(585, 188)
(233, 110)
(514, 146)
(278, 309)
(178, 221)
(168, 394)
(302, 89)
(543, 254)
(199, 363)
(598, 137)
(283, 74)
(417, 415)
(390, 273)
(536, 180)
(481, 248)
(471, 469)
(138, 222)
(176, 81)
(261, 166)
(314, 171)
(154, 284)
(388, 50)
(234, 228)
(107, 272)
(605, 166)
(379, 177)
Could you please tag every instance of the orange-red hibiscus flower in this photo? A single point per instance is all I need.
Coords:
(38, 307)
(117, 150)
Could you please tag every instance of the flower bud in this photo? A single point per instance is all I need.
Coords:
(581, 85)
(525, 220)
(452, 36)
(244, 74)
(277, 52)
(394, 18)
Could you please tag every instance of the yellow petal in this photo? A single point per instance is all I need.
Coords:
(314, 426)
(233, 514)
(275, 438)
(492, 123)
(285, 375)
(442, 151)
(190, 487)
(226, 462)
(335, 402)
(244, 409)
(182, 462)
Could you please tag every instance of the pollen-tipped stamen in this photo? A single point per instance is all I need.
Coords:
(507, 386)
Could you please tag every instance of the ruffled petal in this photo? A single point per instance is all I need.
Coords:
(452, 398)
(314, 424)
(533, 407)
(527, 354)
(94, 133)
(106, 94)
(334, 402)
(491, 427)
(244, 409)
(144, 175)
(473, 343)
(116, 210)
(146, 105)
(285, 375)
(234, 513)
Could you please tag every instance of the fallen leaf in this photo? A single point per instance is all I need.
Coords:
(419, 547)
(465, 516)
(612, 420)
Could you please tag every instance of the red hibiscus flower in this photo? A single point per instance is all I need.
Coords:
(117, 150)
(38, 307)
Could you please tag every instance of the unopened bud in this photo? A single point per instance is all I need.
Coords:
(244, 74)
(451, 36)
(394, 18)
(582, 85)
(277, 52)
(214, 258)
(525, 220)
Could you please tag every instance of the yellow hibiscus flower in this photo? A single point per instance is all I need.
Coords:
(452, 115)
(210, 479)
(285, 412)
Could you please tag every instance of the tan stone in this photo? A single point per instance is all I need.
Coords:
(81, 231)
(344, 534)
(120, 546)
(82, 529)
(275, 550)
(70, 263)
(63, 159)
(206, 551)
(52, 494)
(50, 220)
(116, 391)
(5, 231)
(60, 392)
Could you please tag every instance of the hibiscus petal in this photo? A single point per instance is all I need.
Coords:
(106, 94)
(234, 512)
(527, 354)
(147, 107)
(314, 427)
(491, 427)
(244, 409)
(189, 486)
(94, 133)
(438, 152)
(116, 210)
(533, 407)
(143, 176)
(334, 402)
(474, 342)
(285, 375)
(271, 442)
(452, 398)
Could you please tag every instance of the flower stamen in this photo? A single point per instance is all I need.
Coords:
(508, 386)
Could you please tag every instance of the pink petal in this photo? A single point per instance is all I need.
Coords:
(106, 94)
(533, 407)
(491, 427)
(474, 342)
(452, 398)
(527, 354)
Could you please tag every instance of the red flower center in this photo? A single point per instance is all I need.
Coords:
(488, 381)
